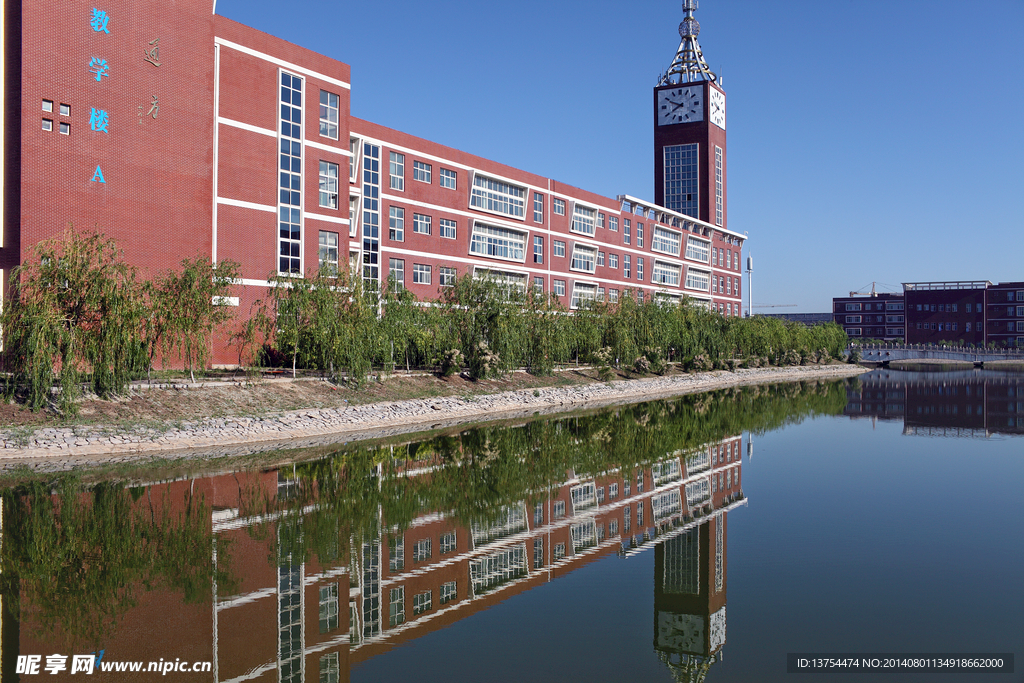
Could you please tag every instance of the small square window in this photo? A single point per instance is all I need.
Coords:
(448, 178)
(65, 109)
(559, 248)
(65, 128)
(421, 171)
(559, 207)
(559, 287)
(47, 124)
(47, 105)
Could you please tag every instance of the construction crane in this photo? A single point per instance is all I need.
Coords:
(871, 293)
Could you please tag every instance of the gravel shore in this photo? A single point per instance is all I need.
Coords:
(59, 449)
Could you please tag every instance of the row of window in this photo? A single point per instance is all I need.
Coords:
(421, 602)
(422, 172)
(421, 550)
(421, 224)
(421, 274)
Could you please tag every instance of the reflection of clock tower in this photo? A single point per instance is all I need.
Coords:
(689, 132)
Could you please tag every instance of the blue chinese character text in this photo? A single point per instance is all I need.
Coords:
(99, 67)
(99, 21)
(99, 119)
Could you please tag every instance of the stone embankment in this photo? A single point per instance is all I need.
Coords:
(54, 449)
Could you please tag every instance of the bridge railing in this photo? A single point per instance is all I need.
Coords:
(924, 350)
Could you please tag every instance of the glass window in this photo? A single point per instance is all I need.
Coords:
(47, 105)
(583, 220)
(626, 266)
(447, 276)
(698, 279)
(583, 258)
(639, 234)
(328, 185)
(613, 223)
(538, 283)
(600, 258)
(666, 241)
(448, 592)
(682, 167)
(421, 551)
(582, 292)
(448, 178)
(396, 224)
(396, 606)
(613, 261)
(490, 240)
(558, 207)
(421, 171)
(718, 187)
(538, 249)
(627, 230)
(328, 115)
(421, 223)
(600, 220)
(639, 268)
(538, 207)
(665, 274)
(396, 269)
(329, 252)
(448, 543)
(613, 295)
(447, 228)
(559, 248)
(420, 274)
(559, 287)
(47, 124)
(497, 197)
(328, 608)
(64, 128)
(65, 109)
(396, 169)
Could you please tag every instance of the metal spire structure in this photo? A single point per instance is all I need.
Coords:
(689, 65)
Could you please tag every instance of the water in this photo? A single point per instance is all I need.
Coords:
(879, 515)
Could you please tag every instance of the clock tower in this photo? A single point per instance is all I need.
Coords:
(689, 132)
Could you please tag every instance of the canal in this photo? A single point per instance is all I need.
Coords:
(701, 538)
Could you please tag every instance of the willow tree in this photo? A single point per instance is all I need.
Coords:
(76, 312)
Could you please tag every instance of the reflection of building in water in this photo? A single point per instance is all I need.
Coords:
(295, 616)
(957, 403)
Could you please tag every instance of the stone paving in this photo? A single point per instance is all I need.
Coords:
(57, 449)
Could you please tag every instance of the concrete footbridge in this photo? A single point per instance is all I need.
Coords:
(884, 353)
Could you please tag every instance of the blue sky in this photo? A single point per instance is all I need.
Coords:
(876, 140)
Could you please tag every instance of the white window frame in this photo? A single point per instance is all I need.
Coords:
(854, 319)
(664, 273)
(584, 220)
(558, 206)
(666, 241)
(613, 223)
(396, 171)
(558, 249)
(853, 307)
(422, 172)
(558, 287)
(448, 228)
(448, 179)
(698, 280)
(325, 184)
(498, 197)
(584, 290)
(328, 108)
(447, 276)
(396, 223)
(483, 235)
(584, 259)
(613, 260)
(421, 223)
(698, 249)
(421, 273)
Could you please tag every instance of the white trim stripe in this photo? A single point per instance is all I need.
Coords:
(280, 62)
(246, 205)
(326, 219)
(246, 126)
(328, 148)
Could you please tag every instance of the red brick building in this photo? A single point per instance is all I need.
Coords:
(180, 133)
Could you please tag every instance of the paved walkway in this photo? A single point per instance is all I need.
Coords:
(59, 449)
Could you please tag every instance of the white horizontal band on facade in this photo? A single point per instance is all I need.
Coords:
(246, 126)
(280, 62)
(326, 219)
(246, 205)
(328, 148)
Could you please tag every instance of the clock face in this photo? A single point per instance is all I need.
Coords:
(681, 105)
(717, 104)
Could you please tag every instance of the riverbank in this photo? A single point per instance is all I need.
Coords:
(65, 448)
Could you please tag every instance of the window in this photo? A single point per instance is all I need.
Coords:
(396, 554)
(420, 274)
(448, 178)
(421, 223)
(728, 286)
(718, 185)
(582, 292)
(583, 258)
(421, 551)
(47, 124)
(328, 608)
(448, 543)
(559, 207)
(559, 509)
(448, 592)
(613, 223)
(1020, 297)
(714, 257)
(559, 551)
(627, 230)
(969, 308)
(967, 328)
(583, 220)
(330, 668)
(559, 248)
(48, 105)
(329, 252)
(497, 197)
(328, 185)
(639, 268)
(490, 240)
(396, 271)
(396, 606)
(728, 258)
(894, 318)
(665, 274)
(538, 283)
(538, 249)
(64, 128)
(626, 270)
(538, 553)
(898, 306)
(600, 258)
(853, 331)
(613, 527)
(447, 228)
(600, 494)
(639, 234)
(559, 287)
(667, 241)
(290, 176)
(627, 516)
(396, 224)
(421, 171)
(682, 166)
(600, 220)
(65, 109)
(613, 295)
(397, 171)
(328, 115)
(954, 308)
(698, 279)
(613, 261)
(714, 285)
(613, 491)
(538, 207)
(447, 276)
(852, 307)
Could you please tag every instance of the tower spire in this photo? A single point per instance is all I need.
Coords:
(689, 65)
